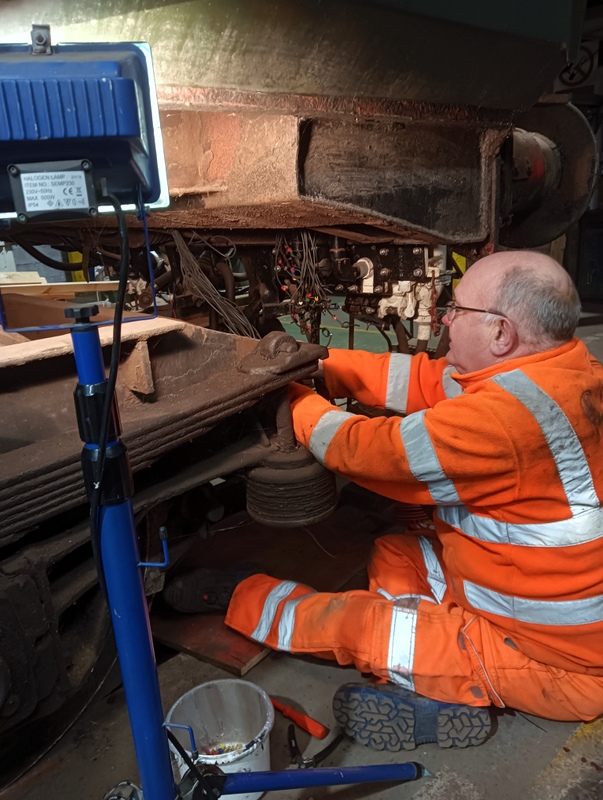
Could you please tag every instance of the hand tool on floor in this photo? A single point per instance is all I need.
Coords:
(312, 761)
(303, 721)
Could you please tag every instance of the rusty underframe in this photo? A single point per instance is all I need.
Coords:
(420, 173)
(195, 405)
(368, 170)
(176, 382)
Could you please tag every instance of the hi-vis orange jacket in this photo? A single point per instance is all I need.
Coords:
(512, 458)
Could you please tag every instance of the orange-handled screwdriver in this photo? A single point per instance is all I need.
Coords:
(305, 722)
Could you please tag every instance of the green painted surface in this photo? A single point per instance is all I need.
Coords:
(364, 338)
(334, 334)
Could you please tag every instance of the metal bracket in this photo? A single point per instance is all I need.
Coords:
(40, 40)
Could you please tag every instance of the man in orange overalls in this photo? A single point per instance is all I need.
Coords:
(504, 604)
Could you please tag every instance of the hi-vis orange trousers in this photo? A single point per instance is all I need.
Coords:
(407, 630)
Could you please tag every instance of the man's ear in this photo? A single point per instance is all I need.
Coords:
(504, 337)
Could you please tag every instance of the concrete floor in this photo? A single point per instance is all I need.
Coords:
(525, 758)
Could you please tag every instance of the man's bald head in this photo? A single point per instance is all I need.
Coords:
(531, 289)
(492, 270)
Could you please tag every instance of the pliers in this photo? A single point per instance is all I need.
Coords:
(313, 761)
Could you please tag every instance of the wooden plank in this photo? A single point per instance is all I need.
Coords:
(24, 311)
(63, 290)
(205, 637)
(57, 346)
(20, 278)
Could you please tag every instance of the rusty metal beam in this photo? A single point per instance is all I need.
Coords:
(200, 377)
(426, 181)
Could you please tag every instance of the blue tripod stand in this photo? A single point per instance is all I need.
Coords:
(117, 560)
(109, 487)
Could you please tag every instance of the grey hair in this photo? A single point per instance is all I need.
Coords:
(545, 312)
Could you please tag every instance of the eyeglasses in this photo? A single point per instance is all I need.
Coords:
(452, 307)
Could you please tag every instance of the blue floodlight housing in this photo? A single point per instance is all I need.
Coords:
(78, 122)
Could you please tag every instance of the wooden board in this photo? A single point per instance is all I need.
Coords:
(206, 637)
(296, 554)
(23, 311)
(63, 290)
(20, 278)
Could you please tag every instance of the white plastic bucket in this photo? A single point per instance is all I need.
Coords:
(233, 715)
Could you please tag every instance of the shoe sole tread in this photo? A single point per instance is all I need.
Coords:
(385, 721)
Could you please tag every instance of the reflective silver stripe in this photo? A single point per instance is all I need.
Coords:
(539, 612)
(286, 625)
(396, 398)
(326, 428)
(401, 652)
(560, 436)
(435, 576)
(395, 597)
(423, 460)
(451, 387)
(270, 607)
(583, 527)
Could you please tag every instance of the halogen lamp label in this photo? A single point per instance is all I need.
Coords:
(50, 191)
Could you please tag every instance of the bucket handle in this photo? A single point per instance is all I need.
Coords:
(191, 734)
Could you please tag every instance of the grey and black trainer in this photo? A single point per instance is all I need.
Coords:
(388, 717)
